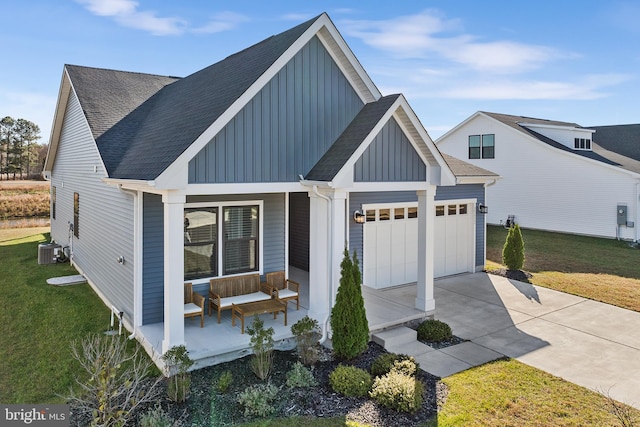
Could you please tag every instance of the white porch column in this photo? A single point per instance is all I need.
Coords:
(338, 239)
(426, 215)
(173, 270)
(319, 261)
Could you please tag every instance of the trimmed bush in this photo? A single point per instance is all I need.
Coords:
(385, 362)
(398, 391)
(350, 381)
(513, 249)
(348, 317)
(300, 376)
(258, 400)
(434, 331)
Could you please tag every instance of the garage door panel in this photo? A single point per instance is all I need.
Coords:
(391, 244)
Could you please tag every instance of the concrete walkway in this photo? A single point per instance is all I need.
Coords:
(591, 344)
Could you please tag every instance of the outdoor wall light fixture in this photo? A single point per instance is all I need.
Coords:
(358, 217)
(483, 209)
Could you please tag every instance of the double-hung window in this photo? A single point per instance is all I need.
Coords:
(221, 240)
(482, 146)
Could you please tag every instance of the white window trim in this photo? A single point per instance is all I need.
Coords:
(220, 206)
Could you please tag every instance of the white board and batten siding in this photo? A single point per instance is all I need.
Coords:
(106, 219)
(547, 188)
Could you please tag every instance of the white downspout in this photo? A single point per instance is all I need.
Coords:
(325, 331)
(134, 193)
(637, 221)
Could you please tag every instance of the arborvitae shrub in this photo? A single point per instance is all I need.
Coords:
(513, 249)
(434, 331)
(350, 381)
(348, 317)
(385, 362)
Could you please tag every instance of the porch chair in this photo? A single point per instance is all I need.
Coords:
(193, 304)
(284, 289)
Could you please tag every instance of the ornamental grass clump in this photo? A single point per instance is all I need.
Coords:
(433, 330)
(350, 381)
(513, 249)
(348, 317)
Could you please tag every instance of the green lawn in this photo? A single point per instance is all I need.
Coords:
(604, 270)
(39, 322)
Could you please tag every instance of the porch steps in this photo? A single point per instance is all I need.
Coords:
(401, 340)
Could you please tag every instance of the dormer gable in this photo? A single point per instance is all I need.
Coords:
(573, 137)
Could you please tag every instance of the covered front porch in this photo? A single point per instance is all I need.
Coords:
(218, 343)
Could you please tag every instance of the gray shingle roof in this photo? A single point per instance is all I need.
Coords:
(139, 134)
(621, 139)
(348, 142)
(460, 168)
(613, 157)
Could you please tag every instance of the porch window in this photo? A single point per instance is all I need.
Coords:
(240, 229)
(200, 243)
(76, 215)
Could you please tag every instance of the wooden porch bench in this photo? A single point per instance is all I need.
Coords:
(226, 291)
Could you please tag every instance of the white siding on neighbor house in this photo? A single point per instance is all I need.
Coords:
(106, 215)
(547, 188)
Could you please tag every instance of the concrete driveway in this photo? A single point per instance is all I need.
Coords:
(591, 344)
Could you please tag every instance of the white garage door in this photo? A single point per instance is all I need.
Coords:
(454, 238)
(391, 242)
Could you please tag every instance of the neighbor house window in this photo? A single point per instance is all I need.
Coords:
(482, 146)
(76, 214)
(582, 143)
(221, 240)
(240, 241)
(200, 243)
(53, 202)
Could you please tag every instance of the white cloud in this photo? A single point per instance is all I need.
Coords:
(298, 16)
(429, 32)
(126, 13)
(223, 21)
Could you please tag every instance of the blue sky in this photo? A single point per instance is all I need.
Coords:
(560, 60)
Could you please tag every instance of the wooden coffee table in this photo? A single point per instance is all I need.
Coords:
(254, 308)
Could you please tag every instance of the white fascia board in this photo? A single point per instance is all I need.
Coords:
(446, 175)
(343, 56)
(132, 184)
(546, 126)
(244, 188)
(167, 178)
(476, 179)
(388, 186)
(459, 126)
(58, 119)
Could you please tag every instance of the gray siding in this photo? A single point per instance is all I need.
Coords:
(153, 245)
(299, 210)
(153, 259)
(106, 214)
(469, 191)
(390, 157)
(466, 191)
(285, 129)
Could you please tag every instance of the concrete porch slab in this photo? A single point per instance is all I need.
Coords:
(441, 364)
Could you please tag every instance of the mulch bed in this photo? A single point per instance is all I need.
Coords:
(208, 407)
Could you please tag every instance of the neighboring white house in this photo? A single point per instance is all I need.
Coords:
(556, 176)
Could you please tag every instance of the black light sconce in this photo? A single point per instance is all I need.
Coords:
(358, 217)
(482, 208)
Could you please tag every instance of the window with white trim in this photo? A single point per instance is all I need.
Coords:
(482, 146)
(221, 239)
(582, 143)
